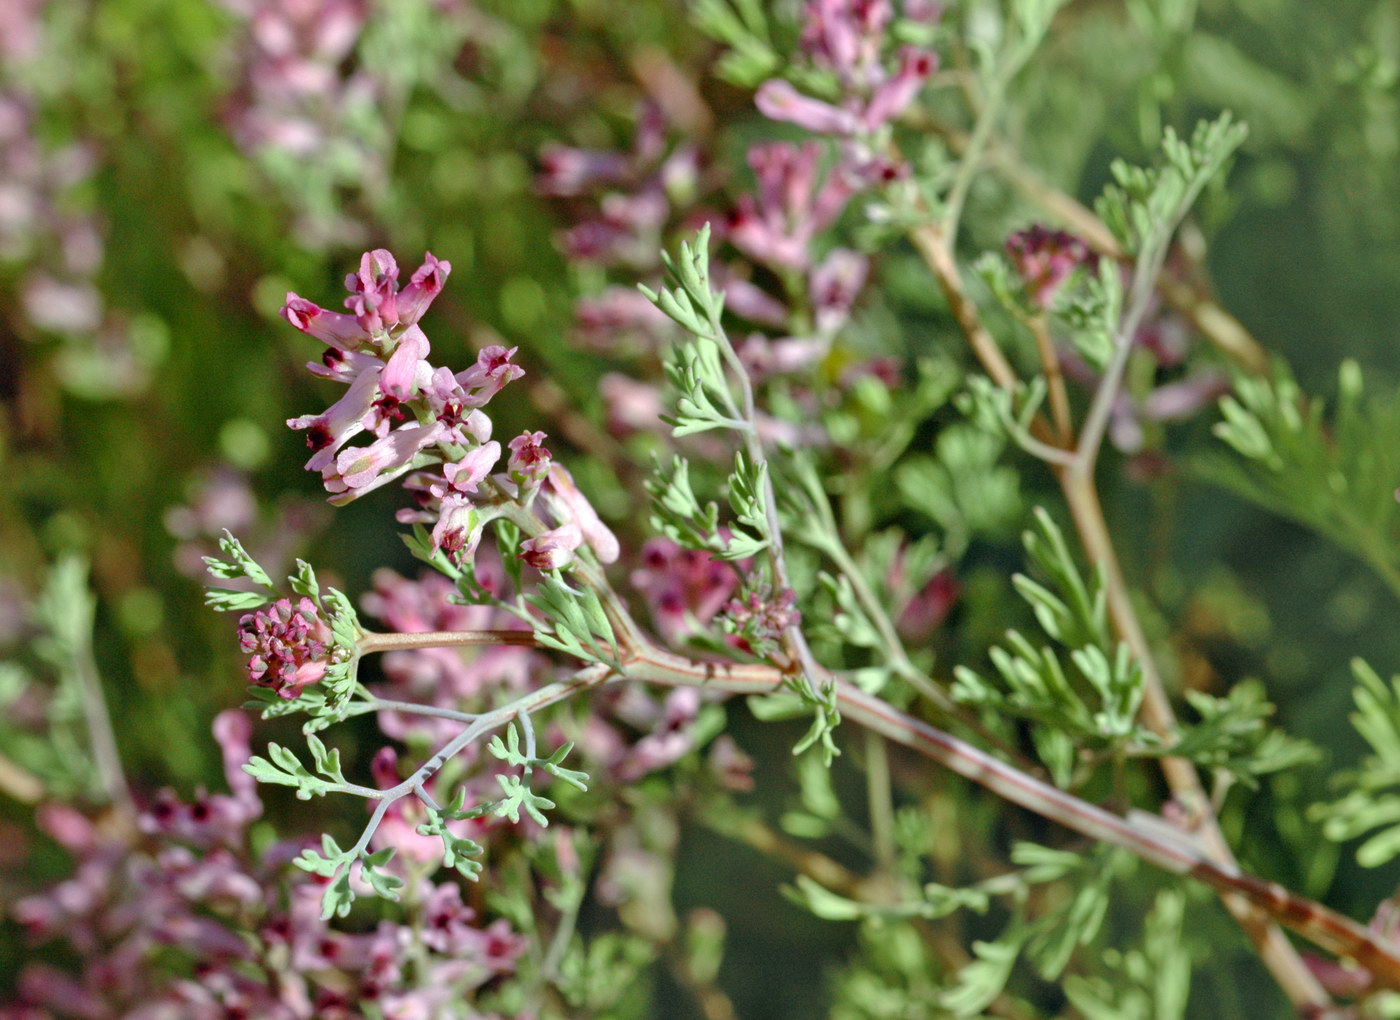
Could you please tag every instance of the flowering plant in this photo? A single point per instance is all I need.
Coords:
(848, 471)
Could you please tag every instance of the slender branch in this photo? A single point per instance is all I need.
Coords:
(1320, 924)
(988, 113)
(931, 241)
(376, 642)
(894, 649)
(1226, 333)
(1054, 378)
(414, 708)
(1086, 451)
(881, 797)
(99, 727)
(794, 640)
(484, 723)
(1184, 856)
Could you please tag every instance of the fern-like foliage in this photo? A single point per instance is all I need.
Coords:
(1370, 795)
(1324, 469)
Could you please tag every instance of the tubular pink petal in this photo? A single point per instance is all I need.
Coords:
(426, 284)
(401, 370)
(573, 505)
(778, 100)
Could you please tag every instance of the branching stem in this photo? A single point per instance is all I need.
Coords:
(1192, 854)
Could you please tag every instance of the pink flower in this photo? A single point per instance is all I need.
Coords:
(894, 96)
(620, 316)
(552, 550)
(374, 291)
(567, 172)
(458, 529)
(778, 100)
(632, 406)
(326, 433)
(762, 617)
(399, 379)
(569, 504)
(359, 467)
(425, 285)
(1045, 258)
(462, 423)
(342, 332)
(684, 587)
(834, 286)
(492, 371)
(465, 475)
(847, 36)
(529, 460)
(777, 226)
(670, 741)
(288, 646)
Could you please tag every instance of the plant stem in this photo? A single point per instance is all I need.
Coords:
(99, 727)
(376, 642)
(1082, 498)
(1226, 333)
(881, 797)
(1054, 378)
(1318, 923)
(1201, 855)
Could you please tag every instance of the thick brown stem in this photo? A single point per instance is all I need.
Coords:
(929, 239)
(1185, 854)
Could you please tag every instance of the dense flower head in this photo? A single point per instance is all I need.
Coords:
(759, 617)
(288, 645)
(1044, 259)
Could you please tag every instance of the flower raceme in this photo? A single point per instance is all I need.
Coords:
(288, 646)
(427, 424)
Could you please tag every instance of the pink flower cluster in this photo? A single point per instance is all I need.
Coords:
(379, 352)
(848, 39)
(192, 923)
(293, 91)
(306, 110)
(1044, 259)
(684, 588)
(761, 618)
(58, 244)
(288, 646)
